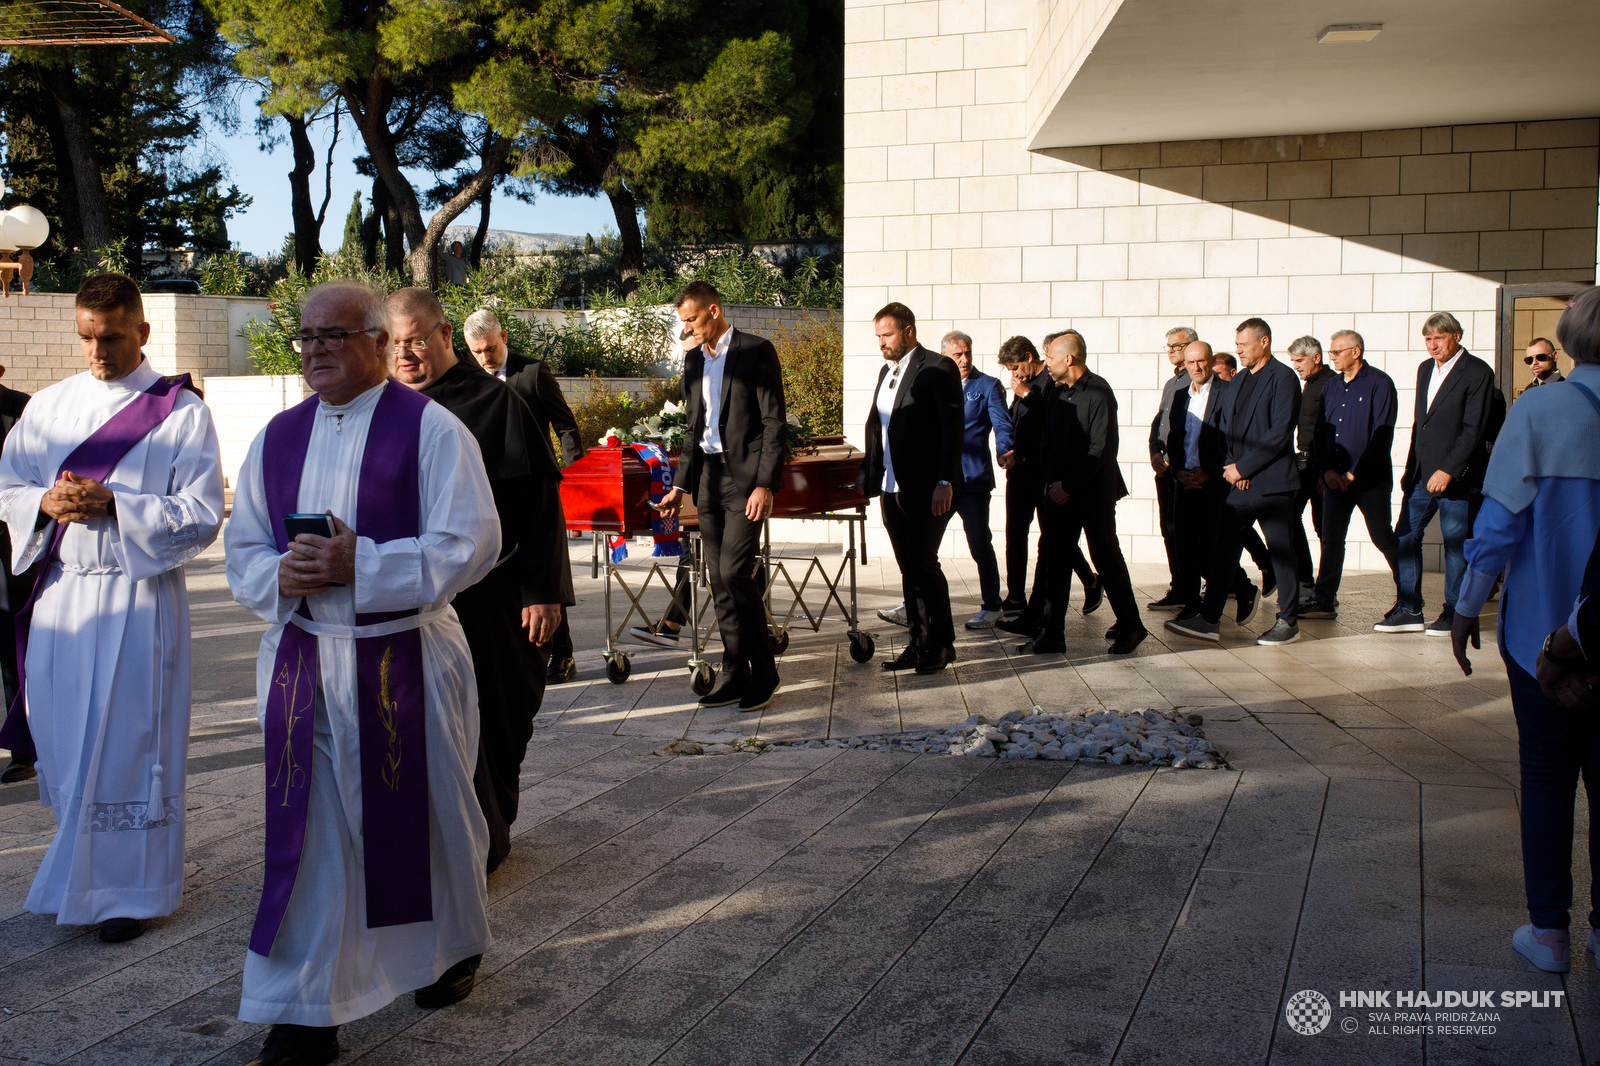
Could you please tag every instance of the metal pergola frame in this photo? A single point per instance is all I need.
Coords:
(25, 23)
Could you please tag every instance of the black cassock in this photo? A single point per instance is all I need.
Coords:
(532, 569)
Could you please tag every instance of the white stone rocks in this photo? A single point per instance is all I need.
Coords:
(1089, 734)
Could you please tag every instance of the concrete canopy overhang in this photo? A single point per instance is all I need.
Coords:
(1178, 70)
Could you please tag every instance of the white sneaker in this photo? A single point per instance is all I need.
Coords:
(983, 620)
(667, 638)
(896, 616)
(1546, 948)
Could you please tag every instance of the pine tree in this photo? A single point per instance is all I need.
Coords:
(352, 245)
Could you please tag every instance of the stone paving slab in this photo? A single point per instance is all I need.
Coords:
(842, 906)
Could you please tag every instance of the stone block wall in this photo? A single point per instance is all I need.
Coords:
(242, 405)
(39, 337)
(949, 213)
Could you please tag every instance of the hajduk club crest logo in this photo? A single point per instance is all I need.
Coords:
(1308, 1012)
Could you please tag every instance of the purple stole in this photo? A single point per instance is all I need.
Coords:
(95, 458)
(389, 683)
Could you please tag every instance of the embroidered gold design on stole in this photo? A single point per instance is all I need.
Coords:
(290, 772)
(387, 709)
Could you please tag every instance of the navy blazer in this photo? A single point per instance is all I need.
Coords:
(924, 427)
(984, 406)
(1211, 429)
(1450, 435)
(1260, 433)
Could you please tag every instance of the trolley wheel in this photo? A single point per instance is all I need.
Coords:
(702, 678)
(862, 646)
(618, 668)
(778, 642)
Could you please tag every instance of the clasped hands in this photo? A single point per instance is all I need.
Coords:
(1337, 482)
(75, 499)
(1230, 473)
(313, 564)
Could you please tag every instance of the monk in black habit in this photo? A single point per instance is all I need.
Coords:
(517, 606)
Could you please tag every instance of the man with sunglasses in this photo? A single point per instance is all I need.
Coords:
(1542, 357)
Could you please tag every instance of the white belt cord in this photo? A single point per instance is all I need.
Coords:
(376, 629)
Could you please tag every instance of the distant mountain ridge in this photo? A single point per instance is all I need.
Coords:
(522, 242)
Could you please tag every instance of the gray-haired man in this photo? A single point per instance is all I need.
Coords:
(1178, 338)
(532, 380)
(1305, 355)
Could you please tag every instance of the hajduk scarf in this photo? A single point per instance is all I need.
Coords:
(662, 527)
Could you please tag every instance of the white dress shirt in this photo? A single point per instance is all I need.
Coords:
(711, 392)
(892, 384)
(1439, 374)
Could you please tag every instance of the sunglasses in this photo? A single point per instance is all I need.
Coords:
(1543, 357)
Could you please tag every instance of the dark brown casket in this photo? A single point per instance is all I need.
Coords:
(608, 490)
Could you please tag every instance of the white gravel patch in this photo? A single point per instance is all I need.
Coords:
(1086, 734)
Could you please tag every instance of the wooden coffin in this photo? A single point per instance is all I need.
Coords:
(608, 490)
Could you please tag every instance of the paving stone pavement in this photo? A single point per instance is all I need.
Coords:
(827, 906)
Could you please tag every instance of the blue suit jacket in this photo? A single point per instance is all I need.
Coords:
(984, 407)
(1259, 436)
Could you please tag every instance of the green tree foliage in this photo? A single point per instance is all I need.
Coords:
(102, 139)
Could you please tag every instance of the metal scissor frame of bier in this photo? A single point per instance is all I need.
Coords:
(607, 492)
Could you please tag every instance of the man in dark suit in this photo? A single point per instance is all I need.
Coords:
(1030, 386)
(13, 589)
(1195, 446)
(1443, 469)
(732, 464)
(1082, 486)
(532, 380)
(913, 463)
(1178, 340)
(1259, 463)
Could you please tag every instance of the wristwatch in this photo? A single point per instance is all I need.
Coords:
(946, 484)
(1560, 660)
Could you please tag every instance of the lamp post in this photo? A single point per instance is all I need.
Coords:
(22, 229)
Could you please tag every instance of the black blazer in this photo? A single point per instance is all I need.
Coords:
(1262, 419)
(1027, 428)
(750, 417)
(539, 389)
(1451, 435)
(1080, 441)
(1212, 428)
(15, 588)
(925, 427)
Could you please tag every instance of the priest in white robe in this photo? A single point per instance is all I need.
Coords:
(113, 479)
(330, 958)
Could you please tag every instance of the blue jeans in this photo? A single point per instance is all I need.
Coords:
(1555, 747)
(973, 507)
(1455, 522)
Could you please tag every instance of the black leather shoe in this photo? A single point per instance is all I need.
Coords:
(1170, 602)
(731, 691)
(1020, 626)
(19, 770)
(1114, 631)
(299, 1045)
(117, 930)
(760, 691)
(1269, 582)
(1043, 646)
(561, 671)
(906, 660)
(1094, 595)
(935, 659)
(454, 986)
(1127, 642)
(1013, 606)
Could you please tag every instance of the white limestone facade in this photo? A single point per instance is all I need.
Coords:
(950, 212)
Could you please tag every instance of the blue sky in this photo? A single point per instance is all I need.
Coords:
(261, 227)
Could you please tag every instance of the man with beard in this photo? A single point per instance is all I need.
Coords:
(517, 606)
